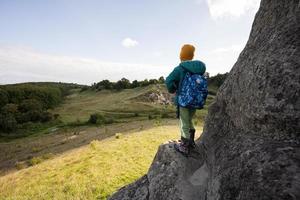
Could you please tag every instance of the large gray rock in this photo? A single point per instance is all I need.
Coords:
(250, 146)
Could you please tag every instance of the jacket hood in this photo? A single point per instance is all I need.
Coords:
(194, 66)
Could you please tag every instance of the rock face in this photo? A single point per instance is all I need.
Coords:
(250, 146)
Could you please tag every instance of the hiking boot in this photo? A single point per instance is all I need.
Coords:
(192, 139)
(182, 146)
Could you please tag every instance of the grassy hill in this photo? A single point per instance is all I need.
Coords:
(92, 171)
(77, 160)
(80, 105)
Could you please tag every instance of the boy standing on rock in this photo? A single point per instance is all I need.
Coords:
(187, 81)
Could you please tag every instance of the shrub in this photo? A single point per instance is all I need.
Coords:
(84, 88)
(29, 105)
(22, 118)
(3, 98)
(20, 165)
(118, 135)
(150, 117)
(109, 120)
(96, 118)
(35, 115)
(164, 115)
(8, 123)
(56, 116)
(46, 116)
(35, 160)
(9, 109)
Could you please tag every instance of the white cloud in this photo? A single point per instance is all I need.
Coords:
(19, 64)
(232, 48)
(128, 42)
(158, 53)
(231, 8)
(221, 59)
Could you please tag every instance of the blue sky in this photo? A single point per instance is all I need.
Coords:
(85, 41)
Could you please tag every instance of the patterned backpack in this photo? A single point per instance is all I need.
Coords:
(193, 91)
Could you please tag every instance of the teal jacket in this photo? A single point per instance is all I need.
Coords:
(173, 81)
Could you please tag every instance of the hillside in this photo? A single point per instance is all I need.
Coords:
(139, 102)
(80, 105)
(94, 170)
(74, 159)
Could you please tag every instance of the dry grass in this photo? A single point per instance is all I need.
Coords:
(89, 172)
(79, 106)
(22, 152)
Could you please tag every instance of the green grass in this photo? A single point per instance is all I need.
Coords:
(93, 171)
(79, 106)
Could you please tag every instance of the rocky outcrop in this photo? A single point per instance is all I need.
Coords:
(158, 95)
(250, 146)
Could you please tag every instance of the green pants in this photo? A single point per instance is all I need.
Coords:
(185, 117)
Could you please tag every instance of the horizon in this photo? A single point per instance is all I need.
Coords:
(86, 42)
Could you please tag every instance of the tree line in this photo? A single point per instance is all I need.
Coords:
(25, 103)
(124, 83)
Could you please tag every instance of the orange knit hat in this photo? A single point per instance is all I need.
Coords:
(187, 52)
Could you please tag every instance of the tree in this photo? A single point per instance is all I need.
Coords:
(3, 98)
(161, 80)
(144, 82)
(122, 84)
(8, 123)
(153, 81)
(135, 84)
(105, 84)
(29, 105)
(9, 109)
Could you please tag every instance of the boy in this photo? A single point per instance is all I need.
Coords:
(173, 82)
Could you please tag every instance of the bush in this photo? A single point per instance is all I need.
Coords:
(20, 165)
(3, 98)
(56, 116)
(35, 160)
(118, 135)
(96, 118)
(22, 118)
(46, 117)
(9, 109)
(84, 88)
(30, 105)
(35, 115)
(8, 123)
(109, 120)
(164, 115)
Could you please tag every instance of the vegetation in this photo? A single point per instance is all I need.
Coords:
(93, 171)
(124, 84)
(31, 106)
(65, 169)
(215, 82)
(23, 104)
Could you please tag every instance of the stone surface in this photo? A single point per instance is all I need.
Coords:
(250, 146)
(171, 176)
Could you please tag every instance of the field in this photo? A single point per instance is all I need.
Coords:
(76, 160)
(80, 105)
(91, 171)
